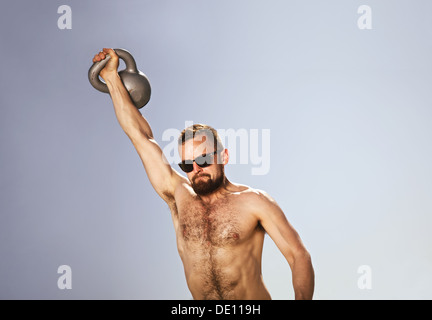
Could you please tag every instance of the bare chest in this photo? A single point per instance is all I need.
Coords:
(216, 225)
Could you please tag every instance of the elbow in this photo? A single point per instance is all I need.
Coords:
(135, 127)
(302, 256)
(137, 134)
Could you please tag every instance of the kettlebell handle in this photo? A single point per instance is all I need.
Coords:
(96, 68)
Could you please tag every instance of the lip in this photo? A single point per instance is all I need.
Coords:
(201, 176)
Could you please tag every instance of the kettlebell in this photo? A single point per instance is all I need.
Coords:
(136, 82)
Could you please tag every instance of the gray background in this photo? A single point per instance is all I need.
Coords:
(349, 112)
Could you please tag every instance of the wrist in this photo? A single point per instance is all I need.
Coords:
(110, 77)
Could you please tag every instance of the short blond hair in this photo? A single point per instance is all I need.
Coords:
(198, 129)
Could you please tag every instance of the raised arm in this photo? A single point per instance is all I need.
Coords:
(162, 177)
(289, 243)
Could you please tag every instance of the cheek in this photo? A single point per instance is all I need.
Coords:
(216, 171)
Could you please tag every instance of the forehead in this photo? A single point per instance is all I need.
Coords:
(192, 148)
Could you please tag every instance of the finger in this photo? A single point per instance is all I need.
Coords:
(101, 55)
(110, 51)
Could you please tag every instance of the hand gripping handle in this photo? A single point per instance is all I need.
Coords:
(96, 68)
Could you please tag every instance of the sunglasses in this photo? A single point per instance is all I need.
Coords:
(203, 161)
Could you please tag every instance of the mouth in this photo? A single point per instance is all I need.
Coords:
(201, 176)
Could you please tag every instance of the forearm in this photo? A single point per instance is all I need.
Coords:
(303, 277)
(128, 116)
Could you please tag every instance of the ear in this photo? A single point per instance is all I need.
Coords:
(225, 157)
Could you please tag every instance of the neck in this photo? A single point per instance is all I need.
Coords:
(219, 193)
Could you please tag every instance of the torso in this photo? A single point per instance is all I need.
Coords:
(220, 244)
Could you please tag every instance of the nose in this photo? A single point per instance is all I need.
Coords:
(196, 167)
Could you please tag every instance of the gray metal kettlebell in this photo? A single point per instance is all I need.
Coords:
(136, 82)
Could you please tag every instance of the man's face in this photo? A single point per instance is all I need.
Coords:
(203, 180)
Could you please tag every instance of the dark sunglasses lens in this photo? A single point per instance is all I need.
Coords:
(203, 161)
(186, 167)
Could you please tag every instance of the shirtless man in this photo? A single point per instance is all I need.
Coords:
(219, 225)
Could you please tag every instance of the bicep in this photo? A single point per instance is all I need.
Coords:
(160, 173)
(275, 223)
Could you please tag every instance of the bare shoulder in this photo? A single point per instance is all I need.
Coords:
(256, 198)
(264, 208)
(181, 180)
(181, 184)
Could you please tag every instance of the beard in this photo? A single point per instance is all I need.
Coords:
(206, 185)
